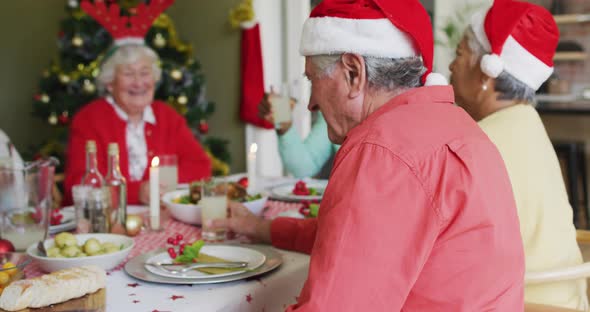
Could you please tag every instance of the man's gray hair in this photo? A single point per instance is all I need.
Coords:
(386, 74)
(126, 54)
(507, 85)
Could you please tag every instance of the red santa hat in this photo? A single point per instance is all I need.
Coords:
(521, 37)
(378, 28)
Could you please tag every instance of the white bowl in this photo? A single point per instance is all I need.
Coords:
(107, 261)
(187, 213)
(256, 206)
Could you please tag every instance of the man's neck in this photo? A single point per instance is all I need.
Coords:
(374, 101)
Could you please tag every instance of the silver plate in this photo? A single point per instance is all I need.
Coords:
(135, 268)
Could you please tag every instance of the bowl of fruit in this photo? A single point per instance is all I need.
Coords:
(184, 204)
(67, 250)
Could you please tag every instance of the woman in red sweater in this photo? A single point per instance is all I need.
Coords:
(129, 116)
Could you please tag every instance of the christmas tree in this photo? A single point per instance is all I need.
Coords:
(68, 83)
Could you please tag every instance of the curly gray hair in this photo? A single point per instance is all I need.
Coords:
(127, 54)
(386, 74)
(507, 85)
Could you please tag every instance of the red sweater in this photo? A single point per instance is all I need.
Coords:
(98, 121)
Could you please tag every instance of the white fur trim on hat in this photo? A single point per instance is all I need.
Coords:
(491, 65)
(368, 37)
(436, 79)
(129, 40)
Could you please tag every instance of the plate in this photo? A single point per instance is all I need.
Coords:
(285, 191)
(231, 253)
(135, 268)
(68, 221)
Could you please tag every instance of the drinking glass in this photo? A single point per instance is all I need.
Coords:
(168, 173)
(213, 205)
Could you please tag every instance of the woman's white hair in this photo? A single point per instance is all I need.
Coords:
(124, 55)
(507, 85)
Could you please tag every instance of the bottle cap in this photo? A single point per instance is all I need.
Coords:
(91, 146)
(113, 149)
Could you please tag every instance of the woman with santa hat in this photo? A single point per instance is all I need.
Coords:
(504, 57)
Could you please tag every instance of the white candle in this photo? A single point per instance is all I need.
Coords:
(155, 194)
(252, 168)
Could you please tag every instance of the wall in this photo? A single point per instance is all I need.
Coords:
(28, 30)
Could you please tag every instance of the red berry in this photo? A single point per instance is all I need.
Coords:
(172, 253)
(179, 237)
(170, 241)
(181, 249)
(175, 242)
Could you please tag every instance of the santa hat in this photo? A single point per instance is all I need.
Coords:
(378, 28)
(521, 37)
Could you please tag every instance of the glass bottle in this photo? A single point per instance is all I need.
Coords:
(116, 184)
(92, 176)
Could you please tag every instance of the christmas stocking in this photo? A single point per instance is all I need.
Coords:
(252, 77)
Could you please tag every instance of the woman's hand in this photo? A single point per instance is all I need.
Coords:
(242, 221)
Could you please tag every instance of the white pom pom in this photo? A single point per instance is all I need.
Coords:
(436, 79)
(492, 65)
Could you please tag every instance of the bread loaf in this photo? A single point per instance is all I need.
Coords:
(52, 288)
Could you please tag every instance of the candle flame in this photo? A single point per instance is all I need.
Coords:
(155, 161)
(253, 148)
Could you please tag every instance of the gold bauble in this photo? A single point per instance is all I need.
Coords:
(133, 224)
(182, 100)
(77, 41)
(159, 41)
(63, 78)
(52, 119)
(45, 98)
(176, 74)
(89, 87)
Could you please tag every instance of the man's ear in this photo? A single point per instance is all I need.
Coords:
(355, 74)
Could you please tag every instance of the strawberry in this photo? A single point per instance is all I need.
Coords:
(243, 182)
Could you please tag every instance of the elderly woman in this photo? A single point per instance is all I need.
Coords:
(495, 75)
(143, 127)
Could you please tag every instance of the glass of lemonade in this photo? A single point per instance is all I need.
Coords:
(213, 205)
(168, 172)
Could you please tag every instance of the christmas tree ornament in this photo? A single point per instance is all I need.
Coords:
(63, 78)
(45, 98)
(133, 224)
(176, 74)
(77, 41)
(159, 41)
(73, 4)
(64, 118)
(52, 119)
(89, 87)
(182, 100)
(6, 246)
(203, 126)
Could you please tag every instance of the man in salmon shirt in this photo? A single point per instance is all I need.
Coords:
(419, 213)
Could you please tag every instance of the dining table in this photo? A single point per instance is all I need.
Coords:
(271, 291)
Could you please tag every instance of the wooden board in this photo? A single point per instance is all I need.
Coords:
(95, 302)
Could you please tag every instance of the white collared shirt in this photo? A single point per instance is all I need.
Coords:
(135, 136)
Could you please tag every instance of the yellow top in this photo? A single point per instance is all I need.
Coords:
(546, 225)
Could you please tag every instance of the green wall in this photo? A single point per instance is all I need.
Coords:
(28, 32)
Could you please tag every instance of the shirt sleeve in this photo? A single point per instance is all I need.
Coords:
(306, 158)
(375, 231)
(293, 234)
(193, 162)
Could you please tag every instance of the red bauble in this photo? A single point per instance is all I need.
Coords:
(64, 119)
(243, 182)
(6, 246)
(203, 127)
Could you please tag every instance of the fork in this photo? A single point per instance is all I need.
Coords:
(184, 269)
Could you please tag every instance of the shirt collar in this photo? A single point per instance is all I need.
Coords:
(148, 112)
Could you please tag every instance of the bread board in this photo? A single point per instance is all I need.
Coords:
(95, 302)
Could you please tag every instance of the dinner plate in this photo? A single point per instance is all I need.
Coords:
(230, 253)
(285, 191)
(136, 268)
(68, 222)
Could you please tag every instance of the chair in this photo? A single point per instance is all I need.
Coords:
(573, 155)
(562, 274)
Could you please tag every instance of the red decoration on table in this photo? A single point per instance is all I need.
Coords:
(6, 246)
(301, 189)
(243, 182)
(174, 297)
(133, 285)
(56, 217)
(135, 301)
(249, 298)
(130, 295)
(172, 253)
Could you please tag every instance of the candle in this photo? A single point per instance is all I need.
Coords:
(155, 194)
(252, 168)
